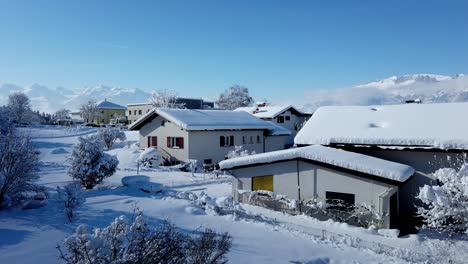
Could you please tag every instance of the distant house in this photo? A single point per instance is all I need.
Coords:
(110, 113)
(76, 117)
(287, 116)
(206, 135)
(423, 137)
(135, 111)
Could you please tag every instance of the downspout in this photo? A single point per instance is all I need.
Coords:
(298, 187)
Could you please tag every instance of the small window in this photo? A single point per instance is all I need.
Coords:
(152, 141)
(287, 118)
(259, 139)
(135, 112)
(139, 112)
(102, 120)
(175, 142)
(243, 140)
(264, 183)
(296, 126)
(208, 161)
(280, 119)
(226, 141)
(251, 140)
(340, 201)
(163, 123)
(130, 112)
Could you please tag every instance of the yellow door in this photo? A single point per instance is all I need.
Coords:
(262, 183)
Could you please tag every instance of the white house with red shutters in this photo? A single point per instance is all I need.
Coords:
(206, 135)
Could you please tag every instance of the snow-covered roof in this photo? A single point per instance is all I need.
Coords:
(336, 157)
(277, 130)
(268, 111)
(109, 105)
(193, 119)
(414, 125)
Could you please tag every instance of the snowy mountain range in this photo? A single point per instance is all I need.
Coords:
(430, 88)
(46, 99)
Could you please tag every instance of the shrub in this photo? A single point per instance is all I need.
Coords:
(110, 135)
(89, 164)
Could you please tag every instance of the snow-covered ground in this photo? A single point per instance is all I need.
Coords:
(259, 235)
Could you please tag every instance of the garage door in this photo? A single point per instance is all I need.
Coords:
(262, 183)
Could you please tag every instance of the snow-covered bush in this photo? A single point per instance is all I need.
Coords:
(150, 157)
(110, 135)
(239, 151)
(18, 170)
(445, 206)
(89, 164)
(71, 196)
(136, 242)
(163, 98)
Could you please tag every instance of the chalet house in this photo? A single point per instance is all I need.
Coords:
(206, 135)
(288, 117)
(364, 154)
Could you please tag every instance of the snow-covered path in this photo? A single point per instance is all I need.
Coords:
(259, 235)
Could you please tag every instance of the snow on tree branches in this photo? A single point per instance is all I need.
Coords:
(445, 206)
(235, 97)
(90, 111)
(71, 196)
(163, 98)
(239, 151)
(89, 164)
(109, 135)
(20, 107)
(18, 166)
(136, 242)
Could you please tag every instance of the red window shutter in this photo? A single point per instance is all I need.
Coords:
(168, 142)
(180, 142)
(155, 141)
(149, 141)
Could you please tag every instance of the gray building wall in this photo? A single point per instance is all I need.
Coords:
(133, 111)
(424, 162)
(314, 182)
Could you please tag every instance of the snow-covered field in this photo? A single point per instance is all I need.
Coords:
(259, 235)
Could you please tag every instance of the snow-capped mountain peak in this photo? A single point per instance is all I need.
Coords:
(405, 80)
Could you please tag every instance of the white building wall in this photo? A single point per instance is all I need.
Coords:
(155, 128)
(290, 124)
(135, 111)
(204, 145)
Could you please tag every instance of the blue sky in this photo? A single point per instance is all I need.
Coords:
(277, 49)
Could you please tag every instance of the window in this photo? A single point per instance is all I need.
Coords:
(340, 201)
(251, 140)
(296, 126)
(152, 141)
(262, 183)
(243, 140)
(208, 161)
(139, 112)
(129, 112)
(102, 120)
(280, 119)
(226, 141)
(259, 139)
(163, 123)
(134, 112)
(175, 142)
(287, 118)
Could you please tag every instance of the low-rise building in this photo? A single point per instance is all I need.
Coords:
(206, 135)
(287, 116)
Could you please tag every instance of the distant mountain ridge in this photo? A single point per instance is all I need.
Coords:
(46, 99)
(430, 88)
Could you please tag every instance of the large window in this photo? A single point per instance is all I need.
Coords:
(152, 141)
(264, 183)
(280, 119)
(226, 141)
(175, 142)
(340, 201)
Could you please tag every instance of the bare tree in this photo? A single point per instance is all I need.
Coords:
(110, 135)
(18, 166)
(236, 96)
(90, 111)
(164, 98)
(62, 114)
(19, 106)
(71, 196)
